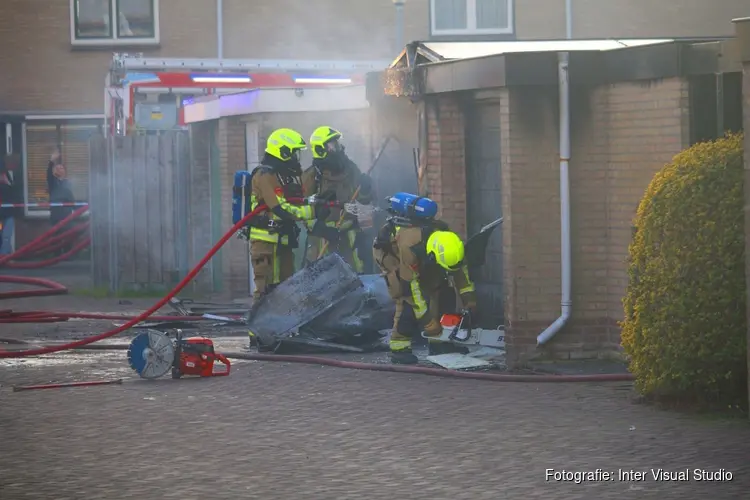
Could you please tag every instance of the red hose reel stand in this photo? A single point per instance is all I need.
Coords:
(152, 354)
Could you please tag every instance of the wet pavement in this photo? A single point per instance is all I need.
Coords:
(283, 431)
(280, 430)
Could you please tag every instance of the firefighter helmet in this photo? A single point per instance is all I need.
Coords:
(446, 248)
(285, 144)
(324, 140)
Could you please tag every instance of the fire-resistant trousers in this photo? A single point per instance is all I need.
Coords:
(272, 264)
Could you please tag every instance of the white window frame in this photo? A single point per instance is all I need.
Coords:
(114, 39)
(471, 21)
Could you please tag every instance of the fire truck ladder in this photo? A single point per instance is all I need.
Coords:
(130, 62)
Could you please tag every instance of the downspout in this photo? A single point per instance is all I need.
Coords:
(220, 29)
(565, 247)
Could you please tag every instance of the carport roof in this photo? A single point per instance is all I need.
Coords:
(436, 67)
(466, 50)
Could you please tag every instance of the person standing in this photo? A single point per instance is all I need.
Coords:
(334, 176)
(9, 194)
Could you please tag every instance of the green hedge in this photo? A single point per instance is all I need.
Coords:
(685, 327)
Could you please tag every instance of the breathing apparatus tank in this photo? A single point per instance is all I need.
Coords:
(412, 207)
(241, 195)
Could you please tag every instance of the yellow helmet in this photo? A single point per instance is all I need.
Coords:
(320, 139)
(285, 144)
(446, 248)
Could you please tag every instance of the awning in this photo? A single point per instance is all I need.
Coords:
(286, 100)
(466, 50)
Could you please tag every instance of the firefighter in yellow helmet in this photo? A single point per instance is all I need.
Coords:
(416, 263)
(274, 236)
(334, 176)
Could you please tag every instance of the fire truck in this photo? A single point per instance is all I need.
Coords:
(147, 95)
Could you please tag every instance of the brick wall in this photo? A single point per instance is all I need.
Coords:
(445, 170)
(647, 123)
(530, 204)
(621, 135)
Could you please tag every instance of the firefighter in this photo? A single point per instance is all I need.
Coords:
(274, 236)
(333, 176)
(416, 263)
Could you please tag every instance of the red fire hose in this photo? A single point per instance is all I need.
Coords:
(300, 359)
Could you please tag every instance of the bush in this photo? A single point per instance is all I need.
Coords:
(685, 327)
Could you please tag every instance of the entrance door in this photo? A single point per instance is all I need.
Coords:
(483, 205)
(252, 160)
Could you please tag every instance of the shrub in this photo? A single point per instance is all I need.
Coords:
(685, 327)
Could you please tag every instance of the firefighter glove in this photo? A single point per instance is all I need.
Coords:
(321, 230)
(433, 328)
(470, 304)
(322, 212)
(332, 235)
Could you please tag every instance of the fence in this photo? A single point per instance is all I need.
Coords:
(139, 211)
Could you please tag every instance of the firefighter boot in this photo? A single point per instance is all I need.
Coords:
(404, 357)
(436, 348)
(401, 353)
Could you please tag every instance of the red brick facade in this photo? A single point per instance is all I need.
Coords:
(621, 135)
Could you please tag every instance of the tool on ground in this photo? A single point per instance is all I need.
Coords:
(152, 354)
(19, 388)
(457, 329)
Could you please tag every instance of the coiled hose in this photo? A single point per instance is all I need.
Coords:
(42, 244)
(497, 377)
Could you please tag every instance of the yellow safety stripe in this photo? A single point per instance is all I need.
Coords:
(304, 212)
(420, 306)
(359, 266)
(469, 284)
(276, 265)
(399, 345)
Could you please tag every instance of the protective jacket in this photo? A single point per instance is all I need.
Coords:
(338, 184)
(412, 277)
(342, 184)
(273, 185)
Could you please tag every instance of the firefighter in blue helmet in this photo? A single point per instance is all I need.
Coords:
(416, 263)
(334, 176)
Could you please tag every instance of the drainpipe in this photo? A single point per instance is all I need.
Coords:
(399, 4)
(220, 29)
(565, 247)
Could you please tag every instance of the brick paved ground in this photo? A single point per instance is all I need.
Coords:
(278, 431)
(281, 431)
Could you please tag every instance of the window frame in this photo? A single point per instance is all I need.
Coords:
(114, 37)
(57, 121)
(471, 21)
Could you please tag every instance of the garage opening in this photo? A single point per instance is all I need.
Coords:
(483, 203)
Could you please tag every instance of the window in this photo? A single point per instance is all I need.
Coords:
(471, 17)
(72, 139)
(118, 22)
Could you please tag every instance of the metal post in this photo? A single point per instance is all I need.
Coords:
(399, 4)
(220, 29)
(719, 105)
